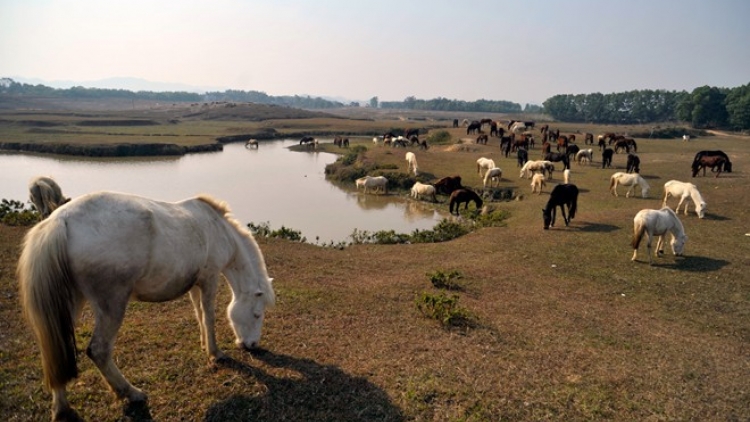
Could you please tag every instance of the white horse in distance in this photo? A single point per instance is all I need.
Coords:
(683, 190)
(537, 182)
(658, 223)
(630, 180)
(411, 162)
(484, 164)
(493, 175)
(376, 183)
(420, 190)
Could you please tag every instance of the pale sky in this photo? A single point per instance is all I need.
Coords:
(523, 51)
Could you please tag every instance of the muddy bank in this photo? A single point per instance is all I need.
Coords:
(110, 150)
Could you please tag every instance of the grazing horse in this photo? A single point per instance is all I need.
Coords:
(585, 156)
(108, 248)
(685, 138)
(46, 195)
(682, 190)
(727, 164)
(601, 143)
(518, 127)
(545, 167)
(522, 157)
(716, 163)
(482, 139)
(251, 143)
(306, 140)
(411, 162)
(558, 157)
(588, 139)
(448, 184)
(376, 183)
(634, 164)
(408, 133)
(658, 223)
(572, 150)
(474, 127)
(561, 196)
(463, 196)
(493, 175)
(537, 182)
(484, 163)
(420, 190)
(505, 144)
(622, 144)
(607, 157)
(631, 180)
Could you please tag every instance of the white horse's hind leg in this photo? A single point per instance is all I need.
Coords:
(106, 325)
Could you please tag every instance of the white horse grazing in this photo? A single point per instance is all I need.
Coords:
(537, 181)
(411, 162)
(531, 166)
(493, 175)
(518, 128)
(658, 223)
(484, 163)
(682, 190)
(631, 180)
(566, 176)
(420, 190)
(585, 156)
(46, 195)
(376, 183)
(685, 138)
(106, 248)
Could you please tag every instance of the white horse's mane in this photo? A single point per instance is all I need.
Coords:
(223, 209)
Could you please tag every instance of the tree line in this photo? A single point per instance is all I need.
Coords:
(705, 107)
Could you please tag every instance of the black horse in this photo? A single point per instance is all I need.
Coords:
(561, 196)
(474, 127)
(727, 164)
(523, 157)
(634, 164)
(572, 150)
(464, 196)
(408, 133)
(607, 157)
(558, 157)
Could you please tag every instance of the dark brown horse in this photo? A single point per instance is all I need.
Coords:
(607, 157)
(634, 164)
(588, 139)
(558, 157)
(448, 184)
(473, 127)
(482, 138)
(727, 164)
(464, 196)
(546, 147)
(716, 162)
(562, 142)
(561, 196)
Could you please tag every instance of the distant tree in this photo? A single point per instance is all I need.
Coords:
(704, 108)
(374, 102)
(738, 107)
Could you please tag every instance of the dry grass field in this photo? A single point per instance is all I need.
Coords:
(569, 329)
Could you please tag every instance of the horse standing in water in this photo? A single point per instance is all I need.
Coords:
(46, 195)
(658, 223)
(107, 248)
(464, 196)
(561, 196)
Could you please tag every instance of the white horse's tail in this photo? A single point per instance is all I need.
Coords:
(638, 231)
(612, 182)
(50, 299)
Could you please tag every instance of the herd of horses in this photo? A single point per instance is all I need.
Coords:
(154, 251)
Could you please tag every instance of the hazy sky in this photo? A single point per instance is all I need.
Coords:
(521, 51)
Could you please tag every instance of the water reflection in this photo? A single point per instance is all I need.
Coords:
(269, 184)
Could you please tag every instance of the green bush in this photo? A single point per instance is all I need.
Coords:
(444, 309)
(439, 137)
(264, 230)
(443, 280)
(15, 213)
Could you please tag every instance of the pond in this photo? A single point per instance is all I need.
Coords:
(270, 184)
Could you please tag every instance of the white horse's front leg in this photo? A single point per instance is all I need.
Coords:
(630, 189)
(677, 210)
(195, 298)
(660, 246)
(208, 302)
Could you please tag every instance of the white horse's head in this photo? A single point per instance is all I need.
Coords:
(678, 244)
(701, 210)
(246, 313)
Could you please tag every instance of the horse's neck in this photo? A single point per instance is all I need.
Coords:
(677, 229)
(696, 196)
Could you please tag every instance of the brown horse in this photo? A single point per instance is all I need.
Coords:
(716, 162)
(448, 184)
(464, 196)
(588, 139)
(482, 139)
(546, 147)
(562, 142)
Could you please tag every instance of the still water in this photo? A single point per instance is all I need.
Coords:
(268, 185)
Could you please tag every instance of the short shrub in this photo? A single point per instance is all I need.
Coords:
(444, 309)
(439, 137)
(443, 280)
(15, 213)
